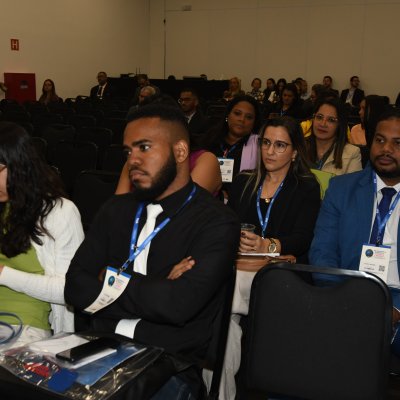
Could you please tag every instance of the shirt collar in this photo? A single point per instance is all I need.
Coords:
(190, 116)
(171, 203)
(380, 184)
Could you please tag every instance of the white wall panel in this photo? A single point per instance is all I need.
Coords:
(70, 41)
(286, 38)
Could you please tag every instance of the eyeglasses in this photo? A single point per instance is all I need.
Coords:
(329, 120)
(279, 145)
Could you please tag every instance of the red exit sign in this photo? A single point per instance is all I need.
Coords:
(14, 44)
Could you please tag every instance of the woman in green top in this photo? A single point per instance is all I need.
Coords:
(39, 234)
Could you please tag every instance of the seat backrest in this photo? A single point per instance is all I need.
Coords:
(55, 133)
(27, 126)
(216, 110)
(117, 125)
(34, 107)
(102, 137)
(114, 158)
(45, 119)
(73, 157)
(117, 114)
(91, 189)
(62, 109)
(17, 116)
(318, 342)
(80, 120)
(40, 145)
(11, 105)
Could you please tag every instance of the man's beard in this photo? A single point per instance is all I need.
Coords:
(160, 182)
(390, 174)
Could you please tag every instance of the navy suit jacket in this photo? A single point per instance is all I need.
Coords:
(344, 223)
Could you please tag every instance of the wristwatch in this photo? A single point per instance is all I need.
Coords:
(272, 246)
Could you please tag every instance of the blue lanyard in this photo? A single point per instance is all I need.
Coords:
(264, 222)
(135, 251)
(227, 151)
(14, 332)
(382, 223)
(319, 165)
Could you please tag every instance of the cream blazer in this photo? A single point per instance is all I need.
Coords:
(351, 161)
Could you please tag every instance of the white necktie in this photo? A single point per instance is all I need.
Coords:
(153, 211)
(126, 327)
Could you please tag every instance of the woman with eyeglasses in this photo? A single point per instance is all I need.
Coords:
(281, 197)
(327, 145)
(39, 234)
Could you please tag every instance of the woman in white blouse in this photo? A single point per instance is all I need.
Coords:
(39, 234)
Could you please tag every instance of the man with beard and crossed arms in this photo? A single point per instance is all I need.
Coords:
(193, 233)
(363, 208)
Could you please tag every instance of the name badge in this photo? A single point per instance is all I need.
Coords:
(375, 260)
(113, 286)
(226, 167)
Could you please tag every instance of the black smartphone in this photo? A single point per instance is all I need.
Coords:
(82, 351)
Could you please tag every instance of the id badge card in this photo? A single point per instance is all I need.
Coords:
(113, 286)
(226, 167)
(375, 260)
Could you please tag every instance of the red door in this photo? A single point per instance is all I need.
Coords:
(20, 87)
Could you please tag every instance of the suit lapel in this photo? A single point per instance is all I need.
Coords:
(364, 204)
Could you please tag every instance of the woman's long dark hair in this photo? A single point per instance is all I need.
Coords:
(340, 135)
(48, 97)
(33, 188)
(290, 87)
(374, 107)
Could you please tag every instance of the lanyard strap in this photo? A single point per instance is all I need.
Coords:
(264, 221)
(14, 332)
(226, 151)
(134, 250)
(381, 224)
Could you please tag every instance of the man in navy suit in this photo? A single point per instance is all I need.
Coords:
(352, 204)
(353, 95)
